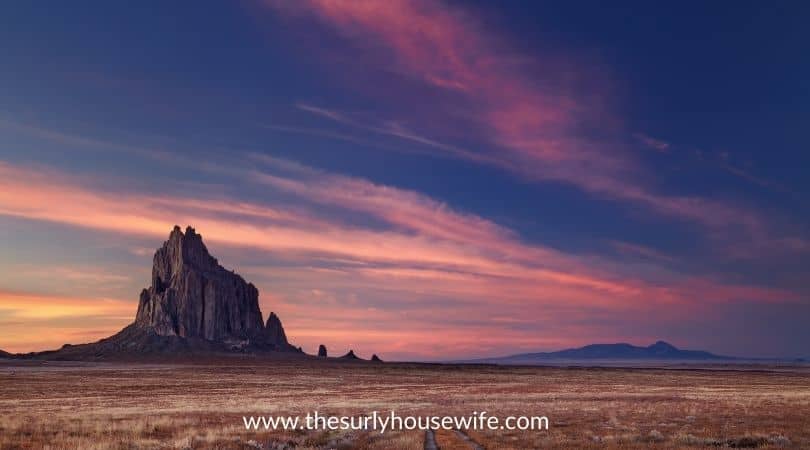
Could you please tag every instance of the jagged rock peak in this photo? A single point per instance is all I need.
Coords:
(375, 358)
(322, 351)
(193, 296)
(274, 330)
(350, 355)
(186, 249)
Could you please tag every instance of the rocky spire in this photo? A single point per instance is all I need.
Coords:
(350, 355)
(274, 331)
(193, 296)
(322, 351)
(375, 358)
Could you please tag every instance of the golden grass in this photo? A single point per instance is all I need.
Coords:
(123, 406)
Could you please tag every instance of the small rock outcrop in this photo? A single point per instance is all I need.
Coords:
(274, 330)
(349, 355)
(322, 351)
(375, 358)
(5, 354)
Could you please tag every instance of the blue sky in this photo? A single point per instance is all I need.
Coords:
(512, 177)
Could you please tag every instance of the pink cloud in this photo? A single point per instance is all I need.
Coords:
(429, 257)
(533, 111)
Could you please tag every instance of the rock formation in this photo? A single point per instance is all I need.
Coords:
(193, 306)
(192, 296)
(375, 358)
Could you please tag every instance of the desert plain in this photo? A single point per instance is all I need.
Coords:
(200, 405)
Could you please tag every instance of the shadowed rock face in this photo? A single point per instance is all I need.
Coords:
(192, 296)
(350, 355)
(322, 351)
(375, 358)
(274, 330)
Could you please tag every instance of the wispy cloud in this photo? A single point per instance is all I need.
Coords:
(715, 214)
(34, 306)
(534, 117)
(82, 142)
(87, 275)
(427, 255)
(640, 250)
(397, 130)
(362, 240)
(721, 160)
(653, 143)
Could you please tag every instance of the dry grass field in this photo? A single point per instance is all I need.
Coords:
(126, 406)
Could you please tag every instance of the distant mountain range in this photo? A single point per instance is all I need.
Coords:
(4, 354)
(658, 351)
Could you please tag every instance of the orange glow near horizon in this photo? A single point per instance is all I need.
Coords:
(477, 268)
(35, 322)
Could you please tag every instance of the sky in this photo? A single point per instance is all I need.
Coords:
(424, 180)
